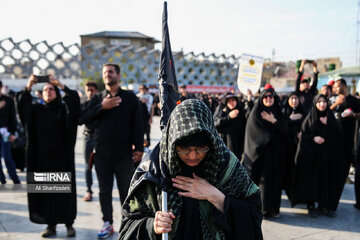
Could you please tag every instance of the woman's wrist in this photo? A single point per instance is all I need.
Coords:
(217, 200)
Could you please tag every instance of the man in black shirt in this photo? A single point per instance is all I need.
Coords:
(91, 88)
(346, 109)
(303, 88)
(119, 139)
(7, 130)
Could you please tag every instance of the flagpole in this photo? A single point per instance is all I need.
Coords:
(168, 87)
(168, 92)
(165, 236)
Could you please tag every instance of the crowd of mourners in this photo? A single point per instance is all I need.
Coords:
(303, 143)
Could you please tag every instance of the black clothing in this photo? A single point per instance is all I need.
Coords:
(116, 129)
(145, 121)
(89, 146)
(349, 126)
(248, 106)
(213, 104)
(105, 171)
(8, 121)
(187, 96)
(320, 169)
(89, 129)
(190, 225)
(357, 183)
(7, 114)
(156, 101)
(232, 131)
(291, 143)
(18, 146)
(241, 218)
(51, 133)
(264, 152)
(306, 97)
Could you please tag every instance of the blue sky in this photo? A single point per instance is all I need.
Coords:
(295, 29)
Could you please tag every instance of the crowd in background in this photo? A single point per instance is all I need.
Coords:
(303, 142)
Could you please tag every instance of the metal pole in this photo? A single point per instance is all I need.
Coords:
(165, 236)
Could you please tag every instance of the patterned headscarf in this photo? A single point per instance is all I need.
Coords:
(220, 167)
(190, 117)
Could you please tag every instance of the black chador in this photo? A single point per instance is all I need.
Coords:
(232, 130)
(263, 151)
(320, 169)
(295, 115)
(51, 131)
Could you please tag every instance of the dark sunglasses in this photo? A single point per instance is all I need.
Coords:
(268, 96)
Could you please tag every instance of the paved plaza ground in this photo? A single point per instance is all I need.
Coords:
(293, 223)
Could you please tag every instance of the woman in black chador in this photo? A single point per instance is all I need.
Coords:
(51, 133)
(230, 122)
(319, 172)
(265, 137)
(294, 113)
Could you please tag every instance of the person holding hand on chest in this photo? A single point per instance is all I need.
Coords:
(320, 165)
(210, 195)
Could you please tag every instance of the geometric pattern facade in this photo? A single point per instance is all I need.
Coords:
(138, 66)
(23, 58)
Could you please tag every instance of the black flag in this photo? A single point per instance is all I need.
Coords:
(167, 79)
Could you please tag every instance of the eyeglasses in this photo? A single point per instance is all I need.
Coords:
(268, 96)
(197, 150)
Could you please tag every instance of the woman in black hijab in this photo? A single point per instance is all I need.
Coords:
(229, 119)
(265, 134)
(51, 133)
(319, 161)
(294, 113)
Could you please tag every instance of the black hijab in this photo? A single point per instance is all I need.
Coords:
(315, 113)
(57, 101)
(259, 132)
(320, 170)
(314, 126)
(288, 110)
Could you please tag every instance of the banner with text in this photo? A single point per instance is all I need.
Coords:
(250, 72)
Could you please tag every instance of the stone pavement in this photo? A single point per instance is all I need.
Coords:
(293, 223)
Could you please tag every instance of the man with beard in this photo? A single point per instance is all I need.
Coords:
(51, 130)
(119, 140)
(346, 109)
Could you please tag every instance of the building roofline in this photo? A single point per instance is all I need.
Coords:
(121, 34)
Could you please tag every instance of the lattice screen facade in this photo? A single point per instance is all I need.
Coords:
(138, 66)
(23, 58)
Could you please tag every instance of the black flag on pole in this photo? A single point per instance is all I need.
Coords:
(168, 87)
